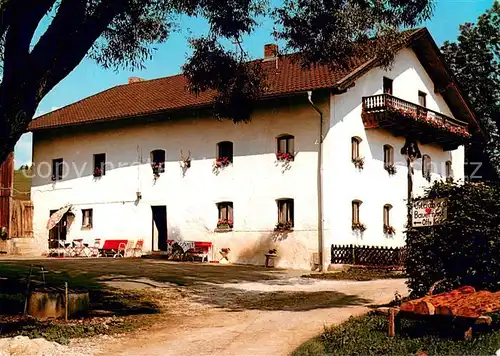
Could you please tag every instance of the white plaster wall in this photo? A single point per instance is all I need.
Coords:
(252, 183)
(373, 185)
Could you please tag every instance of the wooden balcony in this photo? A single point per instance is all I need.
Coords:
(403, 118)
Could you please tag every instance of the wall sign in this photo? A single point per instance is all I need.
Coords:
(429, 212)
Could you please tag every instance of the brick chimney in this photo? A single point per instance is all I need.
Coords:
(270, 51)
(135, 80)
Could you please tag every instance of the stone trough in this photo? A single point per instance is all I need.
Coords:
(50, 302)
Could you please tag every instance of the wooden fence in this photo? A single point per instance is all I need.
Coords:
(21, 222)
(373, 256)
(6, 181)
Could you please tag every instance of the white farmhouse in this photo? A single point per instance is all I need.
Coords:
(320, 159)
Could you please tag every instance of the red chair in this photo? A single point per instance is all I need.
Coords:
(112, 248)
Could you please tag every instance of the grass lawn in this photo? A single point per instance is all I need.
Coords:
(367, 335)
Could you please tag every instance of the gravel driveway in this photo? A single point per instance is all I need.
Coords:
(256, 318)
(213, 310)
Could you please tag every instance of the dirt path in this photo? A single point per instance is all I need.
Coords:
(257, 318)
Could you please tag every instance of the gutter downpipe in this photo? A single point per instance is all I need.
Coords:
(319, 182)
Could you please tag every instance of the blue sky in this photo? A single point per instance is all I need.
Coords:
(88, 78)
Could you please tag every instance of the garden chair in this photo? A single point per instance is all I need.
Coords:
(122, 247)
(129, 249)
(79, 249)
(65, 248)
(111, 248)
(94, 250)
(137, 250)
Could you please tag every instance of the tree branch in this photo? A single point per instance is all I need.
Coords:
(6, 9)
(25, 20)
(69, 38)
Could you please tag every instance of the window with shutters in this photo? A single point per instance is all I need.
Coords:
(448, 171)
(355, 143)
(356, 158)
(225, 150)
(355, 211)
(426, 167)
(356, 223)
(87, 218)
(285, 214)
(225, 220)
(388, 229)
(388, 85)
(99, 165)
(387, 217)
(224, 154)
(57, 169)
(285, 148)
(158, 162)
(422, 98)
(388, 155)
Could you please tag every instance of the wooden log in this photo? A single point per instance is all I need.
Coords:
(468, 334)
(382, 310)
(444, 310)
(484, 319)
(424, 308)
(472, 305)
(439, 299)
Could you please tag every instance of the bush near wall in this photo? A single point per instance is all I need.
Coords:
(465, 250)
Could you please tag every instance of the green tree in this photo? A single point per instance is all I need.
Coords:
(122, 33)
(474, 59)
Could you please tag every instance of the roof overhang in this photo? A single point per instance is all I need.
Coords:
(445, 83)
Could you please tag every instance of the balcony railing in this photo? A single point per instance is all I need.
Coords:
(402, 117)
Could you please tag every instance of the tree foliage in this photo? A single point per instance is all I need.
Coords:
(122, 33)
(328, 32)
(465, 249)
(475, 60)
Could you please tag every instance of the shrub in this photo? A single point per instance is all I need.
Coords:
(465, 249)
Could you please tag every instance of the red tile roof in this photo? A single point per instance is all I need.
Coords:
(170, 93)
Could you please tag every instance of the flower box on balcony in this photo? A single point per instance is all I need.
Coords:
(402, 117)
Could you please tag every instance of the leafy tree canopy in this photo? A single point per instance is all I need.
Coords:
(475, 60)
(122, 33)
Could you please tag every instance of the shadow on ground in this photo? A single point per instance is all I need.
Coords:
(205, 284)
(162, 271)
(238, 300)
(108, 301)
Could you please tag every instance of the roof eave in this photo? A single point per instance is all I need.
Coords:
(168, 111)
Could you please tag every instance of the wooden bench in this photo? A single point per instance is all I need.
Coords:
(114, 248)
(201, 250)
